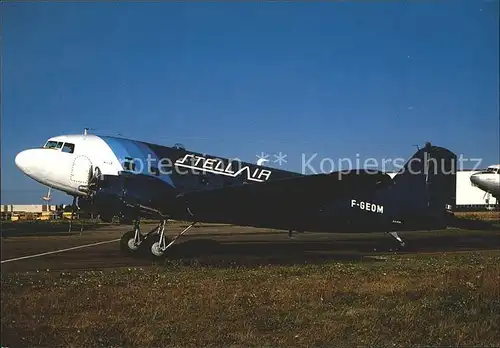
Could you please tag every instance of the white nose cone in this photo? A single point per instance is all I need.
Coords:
(48, 167)
(474, 179)
(24, 160)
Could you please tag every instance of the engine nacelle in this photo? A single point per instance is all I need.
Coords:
(129, 196)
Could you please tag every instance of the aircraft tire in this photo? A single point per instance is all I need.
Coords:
(150, 247)
(127, 246)
(155, 251)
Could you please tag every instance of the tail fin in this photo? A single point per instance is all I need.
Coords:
(428, 182)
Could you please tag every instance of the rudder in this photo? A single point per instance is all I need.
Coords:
(428, 183)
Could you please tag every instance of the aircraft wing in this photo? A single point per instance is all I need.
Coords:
(292, 194)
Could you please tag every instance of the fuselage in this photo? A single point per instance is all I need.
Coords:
(122, 177)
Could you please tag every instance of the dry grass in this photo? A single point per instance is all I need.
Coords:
(446, 299)
(480, 215)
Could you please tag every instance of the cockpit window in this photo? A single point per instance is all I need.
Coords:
(68, 147)
(51, 144)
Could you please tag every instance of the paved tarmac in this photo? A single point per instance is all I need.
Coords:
(223, 246)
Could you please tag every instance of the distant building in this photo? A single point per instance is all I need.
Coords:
(27, 208)
(16, 212)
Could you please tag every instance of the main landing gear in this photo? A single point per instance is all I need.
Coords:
(159, 245)
(132, 240)
(153, 243)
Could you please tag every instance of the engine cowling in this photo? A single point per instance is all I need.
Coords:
(129, 196)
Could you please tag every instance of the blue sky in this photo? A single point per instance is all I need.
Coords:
(235, 79)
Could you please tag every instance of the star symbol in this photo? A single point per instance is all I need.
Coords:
(280, 158)
(262, 158)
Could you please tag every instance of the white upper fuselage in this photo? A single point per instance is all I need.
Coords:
(66, 162)
(488, 180)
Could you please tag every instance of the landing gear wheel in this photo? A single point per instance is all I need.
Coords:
(152, 247)
(156, 243)
(127, 243)
(156, 251)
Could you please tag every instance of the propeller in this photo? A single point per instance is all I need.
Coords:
(94, 176)
(73, 207)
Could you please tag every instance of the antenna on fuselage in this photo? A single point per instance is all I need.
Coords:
(86, 130)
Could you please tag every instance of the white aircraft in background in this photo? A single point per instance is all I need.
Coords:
(488, 180)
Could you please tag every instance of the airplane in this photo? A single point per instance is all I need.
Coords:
(116, 176)
(488, 180)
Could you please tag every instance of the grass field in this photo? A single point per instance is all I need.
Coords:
(402, 300)
(479, 215)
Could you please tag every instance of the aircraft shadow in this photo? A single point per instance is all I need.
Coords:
(245, 253)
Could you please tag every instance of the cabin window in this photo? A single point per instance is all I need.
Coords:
(129, 164)
(68, 147)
